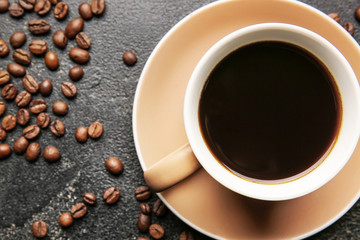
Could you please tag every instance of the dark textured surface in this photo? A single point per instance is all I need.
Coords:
(30, 192)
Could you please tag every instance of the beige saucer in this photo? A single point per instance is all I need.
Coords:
(158, 127)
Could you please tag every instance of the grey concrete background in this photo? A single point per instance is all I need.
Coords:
(42, 191)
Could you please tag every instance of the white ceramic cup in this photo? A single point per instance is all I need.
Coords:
(163, 175)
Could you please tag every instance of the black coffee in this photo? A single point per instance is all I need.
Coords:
(270, 110)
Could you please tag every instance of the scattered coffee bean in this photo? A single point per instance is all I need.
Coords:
(17, 39)
(349, 27)
(45, 88)
(22, 57)
(52, 154)
(145, 208)
(38, 26)
(95, 130)
(9, 91)
(75, 73)
(60, 108)
(78, 210)
(3, 134)
(59, 38)
(5, 151)
(74, 27)
(111, 195)
(156, 231)
(37, 106)
(4, 5)
(129, 58)
(142, 193)
(30, 84)
(114, 165)
(38, 47)
(143, 223)
(42, 7)
(8, 122)
(39, 229)
(57, 128)
(54, 2)
(61, 10)
(23, 118)
(89, 198)
(97, 6)
(23, 99)
(85, 11)
(4, 77)
(69, 89)
(81, 134)
(66, 220)
(159, 208)
(4, 48)
(186, 236)
(27, 4)
(16, 70)
(51, 60)
(2, 108)
(16, 11)
(79, 55)
(31, 132)
(83, 40)
(32, 152)
(43, 120)
(357, 13)
(334, 16)
(20, 145)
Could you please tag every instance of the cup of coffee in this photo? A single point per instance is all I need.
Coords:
(271, 111)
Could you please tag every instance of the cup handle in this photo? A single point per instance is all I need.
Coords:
(172, 169)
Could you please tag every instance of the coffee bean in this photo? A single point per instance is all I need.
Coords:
(75, 73)
(95, 130)
(156, 231)
(31, 132)
(16, 11)
(27, 4)
(5, 151)
(38, 26)
(17, 39)
(66, 220)
(69, 89)
(9, 91)
(129, 58)
(74, 27)
(159, 208)
(334, 16)
(83, 40)
(54, 2)
(23, 117)
(114, 165)
(32, 152)
(60, 108)
(20, 145)
(38, 47)
(81, 134)
(51, 60)
(22, 57)
(79, 55)
(142, 238)
(3, 134)
(51, 154)
(111, 195)
(37, 106)
(97, 6)
(57, 128)
(45, 88)
(4, 77)
(145, 208)
(348, 26)
(59, 38)
(42, 7)
(43, 120)
(4, 5)
(30, 84)
(16, 70)
(89, 198)
(23, 99)
(142, 193)
(39, 229)
(186, 236)
(143, 223)
(2, 108)
(61, 10)
(8, 122)
(4, 48)
(85, 11)
(78, 210)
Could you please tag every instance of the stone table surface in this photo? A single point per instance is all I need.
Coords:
(42, 191)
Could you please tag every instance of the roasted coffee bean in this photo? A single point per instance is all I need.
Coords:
(16, 11)
(156, 231)
(79, 55)
(22, 57)
(83, 40)
(74, 27)
(37, 106)
(51, 154)
(4, 48)
(54, 2)
(32, 152)
(142, 238)
(61, 10)
(357, 13)
(9, 91)
(27, 4)
(30, 84)
(60, 108)
(45, 88)
(186, 236)
(23, 118)
(95, 130)
(111, 195)
(97, 6)
(42, 7)
(89, 198)
(16, 70)
(43, 120)
(75, 73)
(114, 165)
(143, 223)
(334, 16)
(38, 26)
(78, 210)
(8, 122)
(31, 132)
(3, 134)
(51, 60)
(38, 47)
(159, 208)
(145, 208)
(20, 145)
(4, 77)
(39, 229)
(23, 99)
(57, 128)
(349, 27)
(4, 5)
(66, 220)
(17, 39)
(142, 193)
(69, 89)
(59, 38)
(5, 151)
(81, 134)
(85, 11)
(129, 58)
(2, 108)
